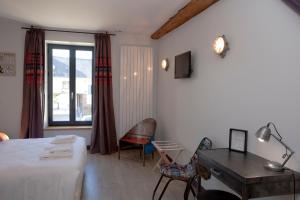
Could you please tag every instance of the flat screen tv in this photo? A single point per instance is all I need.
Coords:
(183, 66)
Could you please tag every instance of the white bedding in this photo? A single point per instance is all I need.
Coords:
(23, 176)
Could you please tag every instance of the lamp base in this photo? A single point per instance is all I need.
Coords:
(274, 166)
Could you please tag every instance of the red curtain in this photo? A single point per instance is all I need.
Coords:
(33, 85)
(104, 139)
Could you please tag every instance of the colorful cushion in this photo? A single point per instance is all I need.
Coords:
(179, 171)
(136, 139)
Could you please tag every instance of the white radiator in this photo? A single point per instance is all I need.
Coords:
(136, 86)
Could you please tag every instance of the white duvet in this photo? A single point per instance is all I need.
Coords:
(23, 176)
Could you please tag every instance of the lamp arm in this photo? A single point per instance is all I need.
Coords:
(286, 147)
(278, 138)
(287, 159)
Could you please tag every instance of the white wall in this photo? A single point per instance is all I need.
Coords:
(12, 40)
(258, 81)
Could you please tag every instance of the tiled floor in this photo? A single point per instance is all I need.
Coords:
(107, 178)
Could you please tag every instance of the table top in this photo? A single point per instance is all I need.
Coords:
(248, 166)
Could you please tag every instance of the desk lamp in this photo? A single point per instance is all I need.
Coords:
(263, 135)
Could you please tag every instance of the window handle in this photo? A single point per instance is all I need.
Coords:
(72, 95)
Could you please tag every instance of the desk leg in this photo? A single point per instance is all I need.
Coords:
(244, 193)
(244, 198)
(143, 155)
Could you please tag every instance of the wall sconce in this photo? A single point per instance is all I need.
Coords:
(220, 46)
(263, 135)
(165, 64)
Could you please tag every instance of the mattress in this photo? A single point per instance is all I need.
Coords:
(24, 176)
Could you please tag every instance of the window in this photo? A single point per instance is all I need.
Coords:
(70, 85)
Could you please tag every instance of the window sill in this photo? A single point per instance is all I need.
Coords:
(52, 128)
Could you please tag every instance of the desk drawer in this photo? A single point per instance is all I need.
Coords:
(223, 175)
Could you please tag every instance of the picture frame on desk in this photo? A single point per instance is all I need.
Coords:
(238, 140)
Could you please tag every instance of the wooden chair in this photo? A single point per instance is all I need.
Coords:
(141, 134)
(186, 173)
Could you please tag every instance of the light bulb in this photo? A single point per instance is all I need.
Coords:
(164, 64)
(261, 140)
(219, 45)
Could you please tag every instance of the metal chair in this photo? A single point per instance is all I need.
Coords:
(186, 173)
(216, 195)
(141, 134)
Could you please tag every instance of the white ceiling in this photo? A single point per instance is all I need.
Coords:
(138, 16)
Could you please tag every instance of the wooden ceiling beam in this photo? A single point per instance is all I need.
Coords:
(193, 8)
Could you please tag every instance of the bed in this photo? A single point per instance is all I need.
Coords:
(23, 175)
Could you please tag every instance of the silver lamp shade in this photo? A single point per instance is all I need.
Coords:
(263, 134)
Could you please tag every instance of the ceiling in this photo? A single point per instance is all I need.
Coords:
(136, 16)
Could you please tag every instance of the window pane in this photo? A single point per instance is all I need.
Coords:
(84, 85)
(61, 85)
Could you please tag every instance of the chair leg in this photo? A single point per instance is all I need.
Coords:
(186, 192)
(119, 150)
(193, 191)
(153, 195)
(188, 189)
(140, 150)
(143, 155)
(167, 184)
(191, 185)
(199, 185)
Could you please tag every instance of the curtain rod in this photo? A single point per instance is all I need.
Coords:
(65, 31)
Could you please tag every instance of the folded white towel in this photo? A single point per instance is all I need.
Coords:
(48, 156)
(63, 139)
(60, 148)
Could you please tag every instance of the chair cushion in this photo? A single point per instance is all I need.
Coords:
(141, 133)
(136, 139)
(178, 171)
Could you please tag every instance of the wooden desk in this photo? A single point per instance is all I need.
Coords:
(246, 175)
